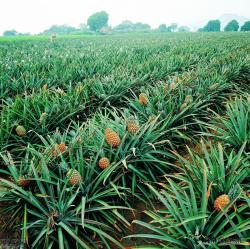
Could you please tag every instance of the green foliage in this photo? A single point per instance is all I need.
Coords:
(212, 26)
(245, 26)
(232, 26)
(10, 33)
(98, 20)
(128, 26)
(60, 29)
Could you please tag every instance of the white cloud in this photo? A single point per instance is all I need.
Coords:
(36, 15)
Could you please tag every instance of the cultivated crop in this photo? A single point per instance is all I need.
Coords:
(91, 127)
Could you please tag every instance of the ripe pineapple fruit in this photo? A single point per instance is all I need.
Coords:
(74, 177)
(112, 137)
(221, 202)
(23, 182)
(21, 131)
(104, 163)
(143, 99)
(58, 148)
(132, 126)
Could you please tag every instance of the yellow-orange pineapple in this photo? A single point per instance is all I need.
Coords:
(74, 177)
(104, 163)
(143, 99)
(58, 148)
(112, 137)
(132, 126)
(221, 202)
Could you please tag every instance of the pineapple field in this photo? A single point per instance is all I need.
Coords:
(126, 141)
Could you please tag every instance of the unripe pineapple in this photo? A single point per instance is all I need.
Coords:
(74, 177)
(112, 137)
(23, 182)
(151, 118)
(214, 86)
(166, 87)
(58, 148)
(143, 99)
(221, 202)
(21, 131)
(172, 86)
(188, 99)
(183, 106)
(104, 163)
(42, 118)
(45, 87)
(132, 126)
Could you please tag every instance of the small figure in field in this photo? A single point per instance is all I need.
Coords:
(53, 37)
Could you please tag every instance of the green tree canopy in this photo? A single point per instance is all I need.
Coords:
(212, 26)
(183, 29)
(60, 29)
(232, 26)
(125, 26)
(163, 28)
(245, 26)
(98, 20)
(10, 33)
(172, 27)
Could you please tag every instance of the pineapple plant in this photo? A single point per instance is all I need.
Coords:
(221, 202)
(104, 163)
(74, 177)
(112, 137)
(20, 131)
(143, 99)
(132, 126)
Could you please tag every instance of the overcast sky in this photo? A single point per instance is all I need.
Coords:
(36, 15)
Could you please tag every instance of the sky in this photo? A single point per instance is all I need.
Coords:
(36, 15)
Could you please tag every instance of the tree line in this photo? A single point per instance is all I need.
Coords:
(98, 22)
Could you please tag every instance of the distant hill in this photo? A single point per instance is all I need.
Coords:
(225, 18)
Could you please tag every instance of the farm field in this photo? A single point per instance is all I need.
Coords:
(126, 141)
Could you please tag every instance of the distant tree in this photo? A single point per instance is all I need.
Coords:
(245, 26)
(173, 27)
(183, 29)
(212, 26)
(10, 33)
(141, 26)
(98, 20)
(60, 29)
(232, 26)
(163, 28)
(125, 26)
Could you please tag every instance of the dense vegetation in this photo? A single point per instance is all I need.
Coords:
(91, 127)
